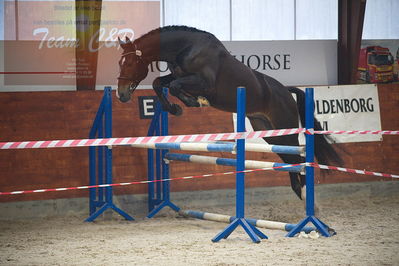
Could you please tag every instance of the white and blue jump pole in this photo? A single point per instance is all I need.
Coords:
(255, 222)
(249, 164)
(222, 146)
(309, 137)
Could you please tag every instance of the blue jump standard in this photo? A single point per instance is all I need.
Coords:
(100, 166)
(255, 234)
(159, 196)
(310, 215)
(154, 190)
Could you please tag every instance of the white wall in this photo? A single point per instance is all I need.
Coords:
(256, 20)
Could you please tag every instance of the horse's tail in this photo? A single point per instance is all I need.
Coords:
(324, 152)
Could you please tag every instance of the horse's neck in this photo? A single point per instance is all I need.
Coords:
(164, 46)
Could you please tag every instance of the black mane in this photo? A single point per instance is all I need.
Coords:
(171, 29)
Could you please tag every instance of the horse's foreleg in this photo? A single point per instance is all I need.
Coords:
(158, 84)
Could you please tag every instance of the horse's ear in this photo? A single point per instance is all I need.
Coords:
(127, 40)
(122, 43)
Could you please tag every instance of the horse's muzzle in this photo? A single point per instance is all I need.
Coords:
(124, 95)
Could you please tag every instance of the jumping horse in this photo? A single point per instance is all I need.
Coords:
(201, 66)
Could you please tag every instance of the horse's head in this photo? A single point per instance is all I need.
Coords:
(132, 70)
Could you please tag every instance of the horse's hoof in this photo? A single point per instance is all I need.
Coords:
(332, 231)
(176, 110)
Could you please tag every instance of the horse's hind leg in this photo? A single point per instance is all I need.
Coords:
(259, 122)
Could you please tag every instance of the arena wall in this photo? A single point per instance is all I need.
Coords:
(69, 115)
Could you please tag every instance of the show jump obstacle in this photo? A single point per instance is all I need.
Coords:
(158, 169)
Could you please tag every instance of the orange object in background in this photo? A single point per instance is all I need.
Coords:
(375, 64)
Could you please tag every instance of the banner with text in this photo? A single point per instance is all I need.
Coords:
(40, 47)
(349, 107)
(293, 63)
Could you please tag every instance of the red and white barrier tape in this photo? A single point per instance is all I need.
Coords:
(321, 166)
(349, 170)
(174, 138)
(360, 132)
(142, 182)
(142, 140)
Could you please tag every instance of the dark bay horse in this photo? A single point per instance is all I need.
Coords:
(202, 67)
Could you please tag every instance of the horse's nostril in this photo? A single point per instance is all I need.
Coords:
(124, 97)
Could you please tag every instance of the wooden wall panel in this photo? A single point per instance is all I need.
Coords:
(69, 115)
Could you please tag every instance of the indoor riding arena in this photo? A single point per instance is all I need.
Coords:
(213, 132)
